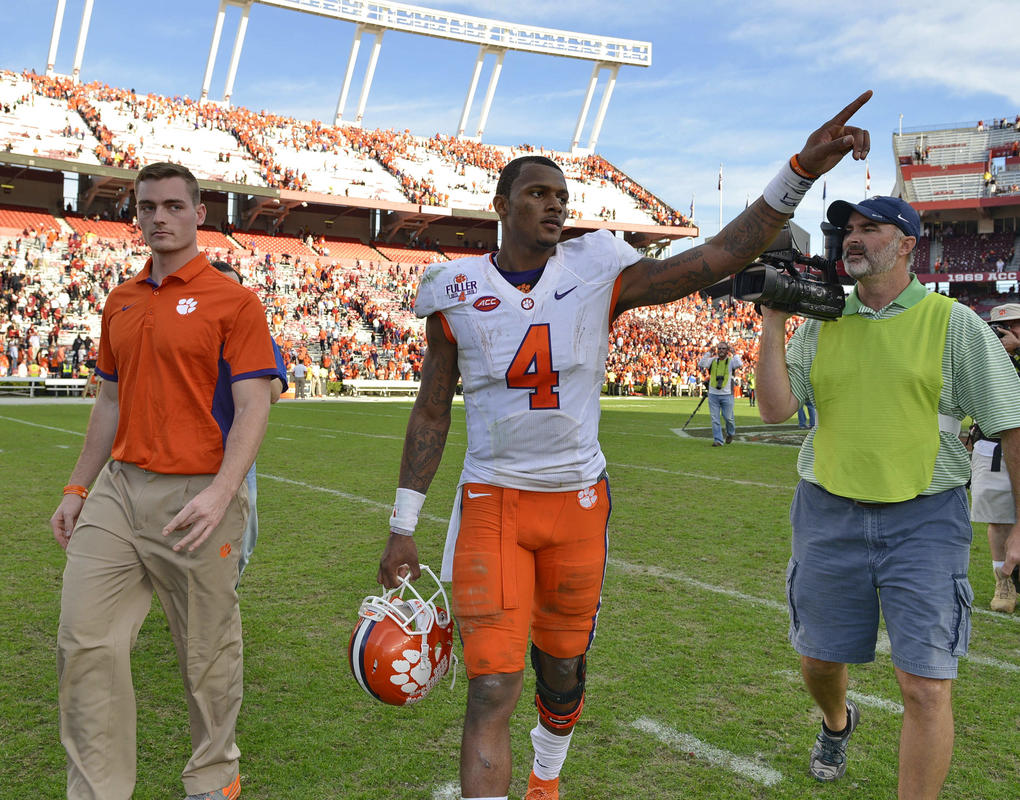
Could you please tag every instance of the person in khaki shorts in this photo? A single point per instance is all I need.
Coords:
(991, 490)
(186, 362)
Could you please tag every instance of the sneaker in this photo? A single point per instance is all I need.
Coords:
(717, 444)
(539, 789)
(230, 792)
(828, 757)
(1004, 599)
(729, 438)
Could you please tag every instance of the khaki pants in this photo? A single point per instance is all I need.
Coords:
(116, 558)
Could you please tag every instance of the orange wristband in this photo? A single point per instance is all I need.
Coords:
(795, 165)
(81, 491)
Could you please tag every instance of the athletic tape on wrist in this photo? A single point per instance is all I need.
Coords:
(406, 508)
(787, 189)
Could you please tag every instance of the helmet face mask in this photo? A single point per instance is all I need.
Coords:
(402, 645)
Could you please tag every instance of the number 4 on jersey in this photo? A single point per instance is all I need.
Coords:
(532, 368)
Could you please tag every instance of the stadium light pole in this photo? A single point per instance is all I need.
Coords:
(58, 22)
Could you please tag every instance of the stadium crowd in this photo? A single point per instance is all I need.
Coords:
(258, 135)
(342, 320)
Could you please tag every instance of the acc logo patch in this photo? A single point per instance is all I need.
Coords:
(186, 306)
(587, 498)
(486, 303)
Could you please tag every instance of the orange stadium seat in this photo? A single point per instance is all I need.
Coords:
(288, 245)
(103, 229)
(460, 252)
(211, 239)
(408, 255)
(15, 219)
(350, 248)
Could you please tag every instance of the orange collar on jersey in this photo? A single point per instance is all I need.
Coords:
(185, 273)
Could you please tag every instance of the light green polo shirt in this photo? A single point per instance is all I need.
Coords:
(977, 380)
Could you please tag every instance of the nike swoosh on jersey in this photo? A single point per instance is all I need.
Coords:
(125, 308)
(559, 296)
(473, 495)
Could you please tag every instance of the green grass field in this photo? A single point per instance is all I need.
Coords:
(692, 688)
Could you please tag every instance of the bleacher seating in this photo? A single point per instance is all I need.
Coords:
(15, 219)
(460, 252)
(351, 249)
(408, 255)
(103, 229)
(210, 239)
(35, 125)
(280, 245)
(232, 144)
(976, 252)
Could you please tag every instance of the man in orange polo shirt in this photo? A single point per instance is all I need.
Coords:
(167, 513)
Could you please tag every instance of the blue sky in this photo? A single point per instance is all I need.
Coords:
(737, 82)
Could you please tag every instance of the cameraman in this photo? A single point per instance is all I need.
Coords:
(990, 487)
(880, 517)
(720, 368)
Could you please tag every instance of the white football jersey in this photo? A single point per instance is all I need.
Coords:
(532, 364)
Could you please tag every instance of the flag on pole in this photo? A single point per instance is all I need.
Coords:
(867, 176)
(692, 207)
(824, 188)
(720, 177)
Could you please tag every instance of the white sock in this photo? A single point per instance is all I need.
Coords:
(999, 565)
(550, 752)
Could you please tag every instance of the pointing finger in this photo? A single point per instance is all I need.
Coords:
(851, 109)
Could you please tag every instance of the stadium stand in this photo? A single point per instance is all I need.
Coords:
(338, 289)
(118, 127)
(15, 219)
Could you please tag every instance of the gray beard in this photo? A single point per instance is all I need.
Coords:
(874, 263)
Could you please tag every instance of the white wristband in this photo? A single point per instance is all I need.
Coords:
(787, 189)
(405, 511)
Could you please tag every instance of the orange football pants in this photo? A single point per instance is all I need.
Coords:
(528, 560)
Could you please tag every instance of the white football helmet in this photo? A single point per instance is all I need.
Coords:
(402, 647)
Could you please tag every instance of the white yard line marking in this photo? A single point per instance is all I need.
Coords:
(658, 572)
(744, 767)
(858, 697)
(333, 430)
(882, 645)
(354, 498)
(446, 791)
(703, 476)
(37, 425)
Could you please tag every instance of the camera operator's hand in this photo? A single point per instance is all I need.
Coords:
(1009, 339)
(826, 147)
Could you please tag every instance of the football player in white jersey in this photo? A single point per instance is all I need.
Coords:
(526, 330)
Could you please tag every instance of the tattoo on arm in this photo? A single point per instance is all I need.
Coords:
(653, 282)
(429, 422)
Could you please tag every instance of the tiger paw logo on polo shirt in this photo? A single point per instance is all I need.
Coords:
(587, 498)
(225, 550)
(186, 305)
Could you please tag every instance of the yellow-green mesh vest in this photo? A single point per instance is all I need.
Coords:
(720, 368)
(877, 385)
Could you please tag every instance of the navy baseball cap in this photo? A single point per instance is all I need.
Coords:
(890, 210)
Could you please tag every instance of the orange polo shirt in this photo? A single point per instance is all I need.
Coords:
(174, 351)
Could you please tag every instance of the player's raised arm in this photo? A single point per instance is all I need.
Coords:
(652, 281)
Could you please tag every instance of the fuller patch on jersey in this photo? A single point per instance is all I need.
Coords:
(461, 288)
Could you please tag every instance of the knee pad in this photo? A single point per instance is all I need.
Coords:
(544, 694)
